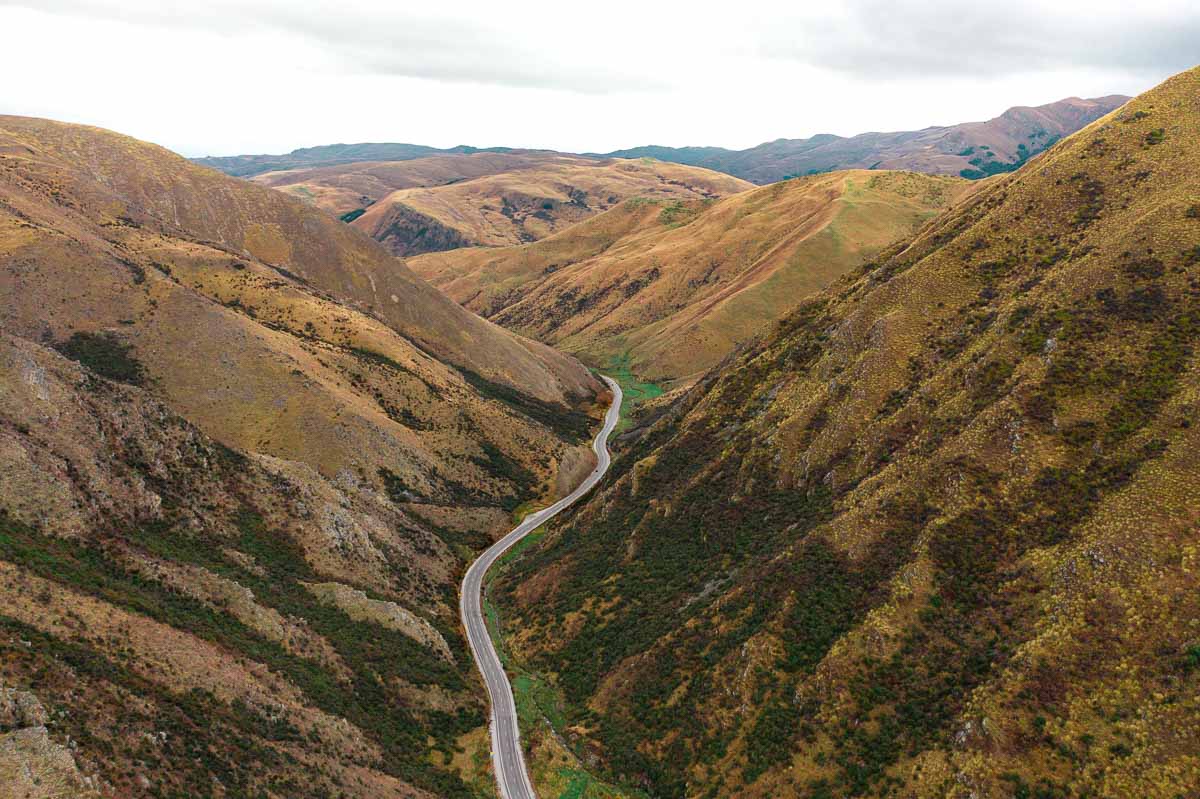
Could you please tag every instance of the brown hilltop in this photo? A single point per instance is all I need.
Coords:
(532, 197)
(343, 188)
(147, 182)
(936, 533)
(672, 287)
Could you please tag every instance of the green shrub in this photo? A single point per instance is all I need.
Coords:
(106, 355)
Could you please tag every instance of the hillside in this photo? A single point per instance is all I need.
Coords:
(528, 203)
(348, 189)
(244, 456)
(934, 535)
(670, 288)
(972, 149)
(329, 155)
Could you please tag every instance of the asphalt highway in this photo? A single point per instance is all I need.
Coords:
(508, 759)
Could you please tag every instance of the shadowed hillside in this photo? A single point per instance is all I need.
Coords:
(672, 287)
(244, 455)
(936, 533)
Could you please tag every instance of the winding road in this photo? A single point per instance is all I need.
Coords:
(508, 760)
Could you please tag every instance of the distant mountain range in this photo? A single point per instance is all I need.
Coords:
(243, 166)
(970, 149)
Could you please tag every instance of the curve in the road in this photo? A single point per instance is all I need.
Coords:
(508, 759)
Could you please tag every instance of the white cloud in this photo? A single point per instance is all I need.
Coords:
(268, 76)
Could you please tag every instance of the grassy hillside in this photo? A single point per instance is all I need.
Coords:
(108, 179)
(670, 288)
(972, 149)
(347, 188)
(936, 534)
(245, 455)
(537, 197)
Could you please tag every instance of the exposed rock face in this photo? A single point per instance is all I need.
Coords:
(358, 605)
(32, 765)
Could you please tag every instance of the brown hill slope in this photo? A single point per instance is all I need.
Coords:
(937, 534)
(353, 187)
(281, 232)
(672, 288)
(258, 528)
(971, 149)
(529, 202)
(163, 600)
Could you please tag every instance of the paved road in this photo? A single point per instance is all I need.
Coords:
(508, 760)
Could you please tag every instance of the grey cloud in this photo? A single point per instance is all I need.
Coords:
(942, 38)
(388, 41)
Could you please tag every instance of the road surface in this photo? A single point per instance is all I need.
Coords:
(508, 760)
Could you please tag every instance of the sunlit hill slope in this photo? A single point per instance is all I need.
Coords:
(672, 287)
(934, 535)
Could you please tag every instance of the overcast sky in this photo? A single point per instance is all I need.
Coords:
(220, 78)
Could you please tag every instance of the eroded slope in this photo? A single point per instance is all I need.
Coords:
(237, 487)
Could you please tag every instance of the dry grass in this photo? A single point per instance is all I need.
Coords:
(532, 201)
(677, 286)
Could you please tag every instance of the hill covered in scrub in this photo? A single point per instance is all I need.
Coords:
(244, 456)
(936, 533)
(672, 287)
(971, 149)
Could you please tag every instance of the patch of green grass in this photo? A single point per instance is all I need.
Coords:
(634, 390)
(576, 786)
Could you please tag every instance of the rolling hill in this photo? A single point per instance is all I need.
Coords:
(489, 199)
(244, 455)
(528, 204)
(934, 534)
(348, 189)
(670, 288)
(972, 149)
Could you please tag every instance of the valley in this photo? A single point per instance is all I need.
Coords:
(858, 466)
